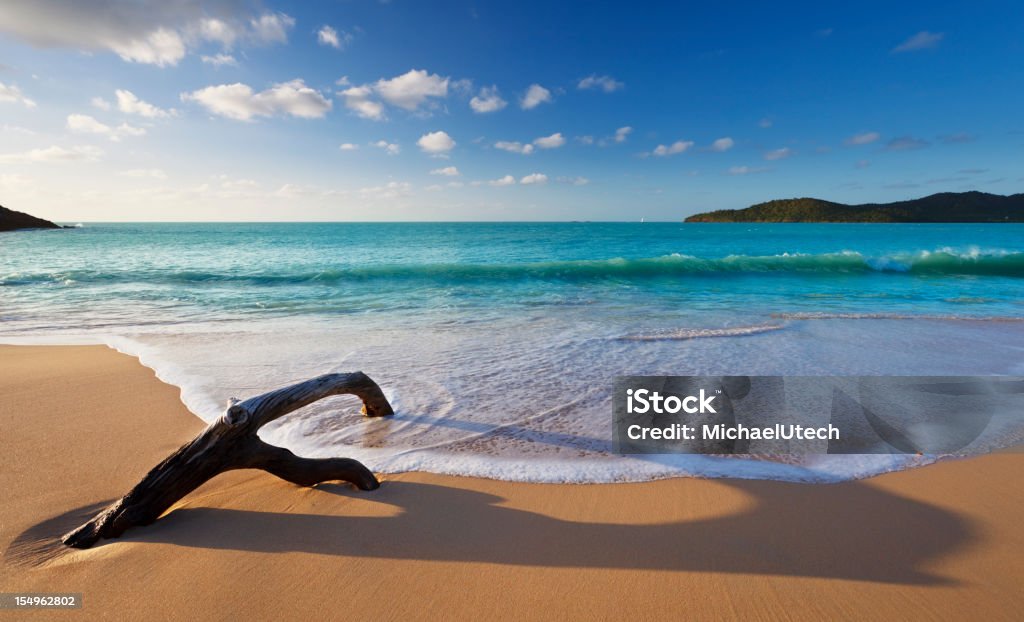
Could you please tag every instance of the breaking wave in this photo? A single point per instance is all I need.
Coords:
(920, 263)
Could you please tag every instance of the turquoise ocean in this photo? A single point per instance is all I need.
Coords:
(498, 343)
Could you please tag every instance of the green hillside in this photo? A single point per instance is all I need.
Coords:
(942, 207)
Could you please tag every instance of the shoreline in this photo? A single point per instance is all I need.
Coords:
(838, 468)
(83, 423)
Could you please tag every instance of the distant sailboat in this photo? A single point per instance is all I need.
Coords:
(642, 219)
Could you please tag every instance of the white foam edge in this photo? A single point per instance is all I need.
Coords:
(611, 469)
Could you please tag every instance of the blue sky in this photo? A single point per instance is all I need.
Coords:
(403, 110)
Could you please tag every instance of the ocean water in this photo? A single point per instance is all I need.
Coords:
(498, 343)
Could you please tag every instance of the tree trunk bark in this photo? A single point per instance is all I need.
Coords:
(231, 442)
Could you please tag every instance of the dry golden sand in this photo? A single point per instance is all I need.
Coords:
(80, 425)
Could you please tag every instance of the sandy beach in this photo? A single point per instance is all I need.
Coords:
(80, 425)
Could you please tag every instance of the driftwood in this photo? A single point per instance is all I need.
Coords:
(231, 442)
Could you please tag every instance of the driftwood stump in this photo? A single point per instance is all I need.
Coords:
(231, 442)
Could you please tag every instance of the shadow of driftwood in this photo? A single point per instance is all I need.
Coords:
(849, 531)
(41, 542)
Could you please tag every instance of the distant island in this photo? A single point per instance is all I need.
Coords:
(11, 220)
(943, 207)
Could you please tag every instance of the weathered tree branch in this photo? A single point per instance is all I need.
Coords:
(231, 442)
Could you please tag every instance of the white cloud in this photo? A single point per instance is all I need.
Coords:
(228, 183)
(535, 96)
(534, 178)
(220, 60)
(604, 83)
(921, 41)
(329, 36)
(448, 171)
(298, 191)
(489, 100)
(389, 148)
(411, 89)
(462, 87)
(573, 181)
(238, 101)
(348, 146)
(128, 103)
(55, 154)
(11, 94)
(507, 180)
(765, 123)
(723, 144)
(100, 103)
(153, 173)
(436, 142)
(390, 190)
(514, 147)
(746, 170)
(271, 27)
(162, 47)
(550, 142)
(213, 29)
(84, 124)
(357, 99)
(863, 139)
(263, 29)
(156, 32)
(620, 136)
(778, 154)
(668, 150)
(905, 143)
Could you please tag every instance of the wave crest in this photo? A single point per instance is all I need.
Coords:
(683, 334)
(921, 263)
